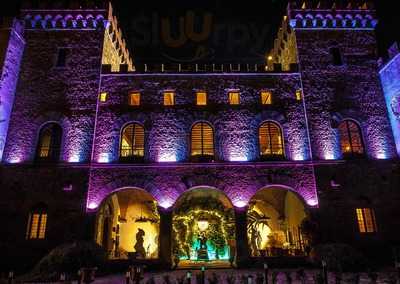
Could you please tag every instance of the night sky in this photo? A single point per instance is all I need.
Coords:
(239, 32)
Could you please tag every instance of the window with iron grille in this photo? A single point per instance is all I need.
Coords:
(132, 141)
(271, 140)
(37, 222)
(202, 137)
(366, 220)
(350, 138)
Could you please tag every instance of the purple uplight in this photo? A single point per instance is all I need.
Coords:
(165, 203)
(313, 202)
(92, 205)
(239, 203)
(75, 158)
(167, 157)
(103, 158)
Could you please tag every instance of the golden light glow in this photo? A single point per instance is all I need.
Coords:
(270, 139)
(37, 226)
(350, 137)
(234, 98)
(169, 98)
(202, 224)
(366, 220)
(45, 144)
(299, 95)
(270, 57)
(202, 136)
(103, 97)
(201, 98)
(132, 141)
(134, 99)
(266, 98)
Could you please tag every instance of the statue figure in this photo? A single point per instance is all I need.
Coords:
(139, 248)
(202, 253)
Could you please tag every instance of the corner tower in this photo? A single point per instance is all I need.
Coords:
(60, 75)
(335, 49)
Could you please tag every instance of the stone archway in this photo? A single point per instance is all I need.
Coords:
(127, 225)
(203, 229)
(274, 220)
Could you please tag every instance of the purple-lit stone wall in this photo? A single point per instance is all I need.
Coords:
(64, 95)
(167, 129)
(390, 78)
(167, 182)
(352, 90)
(11, 49)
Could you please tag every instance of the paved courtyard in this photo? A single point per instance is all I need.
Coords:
(240, 276)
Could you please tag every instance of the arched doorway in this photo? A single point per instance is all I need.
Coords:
(127, 225)
(203, 228)
(274, 221)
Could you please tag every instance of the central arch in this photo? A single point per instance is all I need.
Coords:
(203, 228)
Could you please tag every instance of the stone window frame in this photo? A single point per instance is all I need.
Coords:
(203, 158)
(271, 100)
(39, 211)
(283, 144)
(52, 158)
(366, 220)
(197, 91)
(140, 98)
(133, 158)
(174, 97)
(361, 134)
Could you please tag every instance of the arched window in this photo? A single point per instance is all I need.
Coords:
(37, 223)
(271, 140)
(202, 140)
(132, 141)
(350, 138)
(49, 143)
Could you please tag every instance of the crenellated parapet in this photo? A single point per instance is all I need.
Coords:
(82, 15)
(65, 19)
(115, 50)
(332, 15)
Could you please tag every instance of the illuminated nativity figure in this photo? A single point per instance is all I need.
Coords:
(139, 248)
(202, 253)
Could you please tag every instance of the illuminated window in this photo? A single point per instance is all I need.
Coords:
(49, 143)
(37, 221)
(234, 98)
(299, 95)
(103, 97)
(169, 98)
(202, 139)
(134, 99)
(270, 139)
(350, 138)
(132, 141)
(366, 220)
(201, 98)
(266, 98)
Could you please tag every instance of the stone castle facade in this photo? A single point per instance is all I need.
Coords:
(335, 108)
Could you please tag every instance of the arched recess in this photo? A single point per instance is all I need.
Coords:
(127, 225)
(203, 228)
(274, 220)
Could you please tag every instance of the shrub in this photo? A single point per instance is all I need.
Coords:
(69, 258)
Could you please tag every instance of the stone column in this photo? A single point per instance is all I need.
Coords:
(165, 242)
(242, 245)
